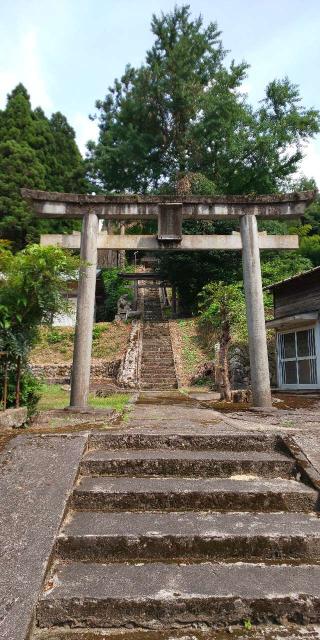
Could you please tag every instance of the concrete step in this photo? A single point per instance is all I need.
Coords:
(99, 536)
(168, 376)
(157, 367)
(155, 345)
(149, 378)
(148, 382)
(152, 349)
(153, 383)
(165, 361)
(262, 632)
(157, 386)
(152, 314)
(152, 376)
(159, 595)
(156, 331)
(188, 463)
(156, 356)
(150, 338)
(156, 336)
(153, 368)
(175, 494)
(154, 340)
(154, 360)
(157, 352)
(198, 439)
(156, 328)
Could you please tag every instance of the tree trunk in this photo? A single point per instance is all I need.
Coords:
(223, 368)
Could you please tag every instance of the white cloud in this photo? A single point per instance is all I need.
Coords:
(24, 65)
(85, 130)
(310, 165)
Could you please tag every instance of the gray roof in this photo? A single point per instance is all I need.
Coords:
(298, 276)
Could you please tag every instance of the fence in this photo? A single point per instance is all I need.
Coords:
(6, 367)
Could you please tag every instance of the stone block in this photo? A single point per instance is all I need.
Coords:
(12, 418)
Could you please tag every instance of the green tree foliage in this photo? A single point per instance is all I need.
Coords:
(309, 229)
(35, 152)
(184, 111)
(190, 272)
(18, 166)
(182, 123)
(283, 265)
(222, 308)
(32, 290)
(114, 287)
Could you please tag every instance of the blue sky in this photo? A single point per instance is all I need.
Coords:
(67, 52)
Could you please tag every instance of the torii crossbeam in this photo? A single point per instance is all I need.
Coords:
(170, 212)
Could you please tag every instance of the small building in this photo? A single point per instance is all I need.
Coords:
(296, 321)
(68, 319)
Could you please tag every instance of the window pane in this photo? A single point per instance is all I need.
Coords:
(290, 372)
(304, 372)
(307, 371)
(305, 343)
(289, 345)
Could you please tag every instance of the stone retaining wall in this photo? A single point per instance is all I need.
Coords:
(61, 372)
(129, 371)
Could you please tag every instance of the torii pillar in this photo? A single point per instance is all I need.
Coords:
(257, 338)
(80, 377)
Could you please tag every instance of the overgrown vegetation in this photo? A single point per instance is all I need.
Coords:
(114, 288)
(32, 290)
(55, 344)
(222, 309)
(191, 348)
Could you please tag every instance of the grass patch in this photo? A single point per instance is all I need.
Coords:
(55, 397)
(55, 344)
(191, 349)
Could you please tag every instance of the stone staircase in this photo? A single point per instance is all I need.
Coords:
(183, 533)
(157, 363)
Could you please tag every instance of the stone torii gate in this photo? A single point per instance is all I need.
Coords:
(170, 212)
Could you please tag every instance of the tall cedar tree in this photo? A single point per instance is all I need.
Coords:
(181, 123)
(183, 111)
(39, 153)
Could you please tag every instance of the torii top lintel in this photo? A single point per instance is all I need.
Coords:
(134, 207)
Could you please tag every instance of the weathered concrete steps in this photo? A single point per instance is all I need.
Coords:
(157, 363)
(190, 534)
(262, 632)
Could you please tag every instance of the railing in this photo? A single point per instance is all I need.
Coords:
(5, 366)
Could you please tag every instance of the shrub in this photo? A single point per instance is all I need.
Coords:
(114, 288)
(32, 290)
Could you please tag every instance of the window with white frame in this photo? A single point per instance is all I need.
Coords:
(297, 358)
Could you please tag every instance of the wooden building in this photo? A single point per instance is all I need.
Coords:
(296, 321)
